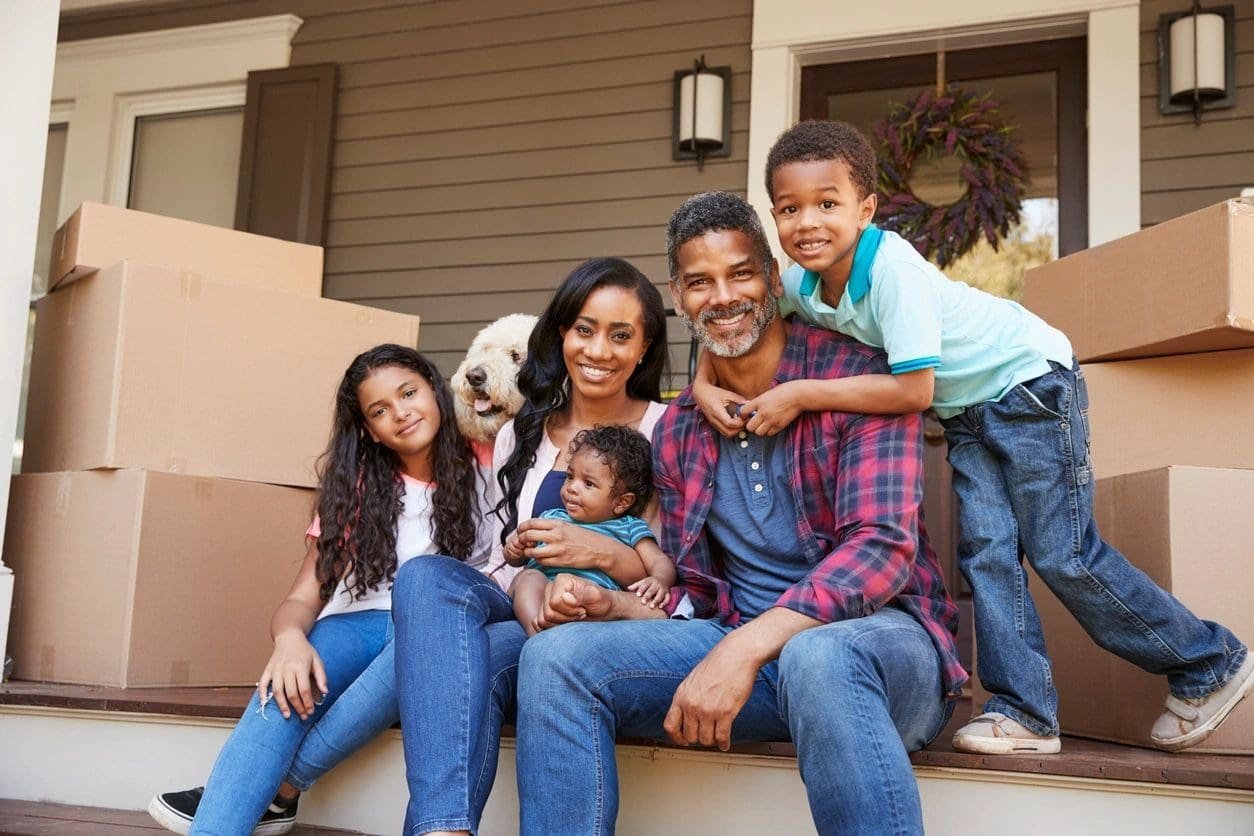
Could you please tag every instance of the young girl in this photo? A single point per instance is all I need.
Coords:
(329, 686)
(609, 482)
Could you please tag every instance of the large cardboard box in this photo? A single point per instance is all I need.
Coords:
(1190, 529)
(98, 235)
(1195, 409)
(132, 578)
(139, 366)
(1183, 286)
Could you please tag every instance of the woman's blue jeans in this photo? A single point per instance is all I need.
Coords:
(1025, 487)
(457, 648)
(356, 650)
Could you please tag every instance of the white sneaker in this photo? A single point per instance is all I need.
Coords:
(996, 734)
(1187, 722)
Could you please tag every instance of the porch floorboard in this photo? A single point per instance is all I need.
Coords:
(1080, 758)
(32, 818)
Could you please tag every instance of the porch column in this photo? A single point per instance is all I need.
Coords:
(28, 50)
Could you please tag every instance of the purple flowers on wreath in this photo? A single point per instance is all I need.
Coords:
(960, 124)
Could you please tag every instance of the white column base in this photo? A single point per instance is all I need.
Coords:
(6, 606)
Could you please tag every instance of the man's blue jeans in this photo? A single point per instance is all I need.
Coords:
(356, 650)
(1025, 486)
(854, 696)
(457, 646)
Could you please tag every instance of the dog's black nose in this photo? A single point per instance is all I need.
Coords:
(476, 377)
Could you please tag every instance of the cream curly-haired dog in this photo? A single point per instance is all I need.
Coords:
(485, 390)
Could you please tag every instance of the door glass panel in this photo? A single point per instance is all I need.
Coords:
(49, 206)
(186, 165)
(1028, 102)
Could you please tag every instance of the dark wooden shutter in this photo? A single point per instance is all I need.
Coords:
(285, 158)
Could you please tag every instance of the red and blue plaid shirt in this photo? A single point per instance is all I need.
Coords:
(857, 481)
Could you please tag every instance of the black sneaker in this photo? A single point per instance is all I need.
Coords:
(175, 810)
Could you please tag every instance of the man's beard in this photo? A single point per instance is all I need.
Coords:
(736, 345)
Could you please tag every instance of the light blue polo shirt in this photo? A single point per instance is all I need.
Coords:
(981, 346)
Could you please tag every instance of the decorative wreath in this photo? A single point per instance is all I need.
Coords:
(959, 123)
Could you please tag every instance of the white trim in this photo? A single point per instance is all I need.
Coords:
(788, 36)
(262, 31)
(131, 107)
(107, 81)
(27, 41)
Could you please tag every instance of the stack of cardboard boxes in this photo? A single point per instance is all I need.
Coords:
(1163, 324)
(182, 386)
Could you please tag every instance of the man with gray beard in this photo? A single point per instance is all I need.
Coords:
(808, 607)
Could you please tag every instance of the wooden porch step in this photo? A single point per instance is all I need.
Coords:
(1080, 758)
(32, 818)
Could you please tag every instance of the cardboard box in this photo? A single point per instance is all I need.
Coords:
(1190, 529)
(1193, 409)
(1183, 286)
(97, 236)
(132, 578)
(140, 366)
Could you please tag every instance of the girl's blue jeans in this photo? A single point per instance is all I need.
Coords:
(1025, 487)
(357, 652)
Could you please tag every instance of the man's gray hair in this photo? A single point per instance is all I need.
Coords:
(714, 212)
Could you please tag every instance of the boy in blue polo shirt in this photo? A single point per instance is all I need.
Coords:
(1014, 406)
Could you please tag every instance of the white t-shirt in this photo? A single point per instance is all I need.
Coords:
(413, 539)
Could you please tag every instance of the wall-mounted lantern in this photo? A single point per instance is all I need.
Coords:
(702, 113)
(1196, 60)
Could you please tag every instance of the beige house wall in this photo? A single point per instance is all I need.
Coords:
(483, 148)
(1185, 167)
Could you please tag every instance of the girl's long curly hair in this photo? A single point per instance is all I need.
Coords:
(361, 493)
(543, 380)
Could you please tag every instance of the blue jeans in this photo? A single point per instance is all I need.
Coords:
(356, 650)
(457, 646)
(1025, 487)
(854, 696)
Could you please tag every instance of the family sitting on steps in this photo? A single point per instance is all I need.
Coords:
(761, 574)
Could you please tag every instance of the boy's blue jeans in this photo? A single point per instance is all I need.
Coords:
(1025, 487)
(854, 696)
(356, 650)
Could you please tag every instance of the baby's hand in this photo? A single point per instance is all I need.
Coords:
(652, 592)
(720, 407)
(514, 547)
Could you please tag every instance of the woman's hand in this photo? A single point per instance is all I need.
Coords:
(568, 546)
(287, 675)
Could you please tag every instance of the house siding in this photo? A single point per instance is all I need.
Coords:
(482, 151)
(1185, 167)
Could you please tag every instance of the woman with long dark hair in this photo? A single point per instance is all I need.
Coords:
(595, 357)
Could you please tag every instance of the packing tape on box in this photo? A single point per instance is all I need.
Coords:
(47, 662)
(175, 465)
(180, 672)
(65, 490)
(191, 286)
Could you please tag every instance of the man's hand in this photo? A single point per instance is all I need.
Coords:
(710, 697)
(774, 409)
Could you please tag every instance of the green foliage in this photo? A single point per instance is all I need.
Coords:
(1000, 271)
